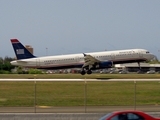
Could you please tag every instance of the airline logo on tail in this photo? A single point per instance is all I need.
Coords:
(20, 51)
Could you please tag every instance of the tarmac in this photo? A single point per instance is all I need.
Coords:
(68, 113)
(58, 116)
(78, 109)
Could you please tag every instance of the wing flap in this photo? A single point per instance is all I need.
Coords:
(89, 60)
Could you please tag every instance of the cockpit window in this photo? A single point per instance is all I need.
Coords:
(147, 52)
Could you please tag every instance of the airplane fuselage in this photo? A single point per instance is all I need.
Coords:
(77, 60)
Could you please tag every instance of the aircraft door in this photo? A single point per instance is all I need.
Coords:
(77, 59)
(38, 62)
(140, 54)
(112, 56)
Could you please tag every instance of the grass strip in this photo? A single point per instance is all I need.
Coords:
(73, 93)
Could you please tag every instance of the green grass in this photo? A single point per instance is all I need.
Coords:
(72, 93)
(79, 76)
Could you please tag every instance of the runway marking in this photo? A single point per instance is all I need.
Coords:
(44, 106)
(78, 80)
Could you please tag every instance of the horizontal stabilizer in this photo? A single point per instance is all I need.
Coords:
(19, 61)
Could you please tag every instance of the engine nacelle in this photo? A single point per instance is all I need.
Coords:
(99, 65)
(106, 64)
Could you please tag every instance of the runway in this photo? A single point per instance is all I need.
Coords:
(78, 80)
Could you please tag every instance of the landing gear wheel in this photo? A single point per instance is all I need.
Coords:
(83, 72)
(89, 72)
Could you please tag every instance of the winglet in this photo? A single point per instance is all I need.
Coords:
(84, 54)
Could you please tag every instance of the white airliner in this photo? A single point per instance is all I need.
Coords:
(86, 61)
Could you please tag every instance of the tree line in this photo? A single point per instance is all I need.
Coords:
(5, 66)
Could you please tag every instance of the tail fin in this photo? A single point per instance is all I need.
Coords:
(20, 51)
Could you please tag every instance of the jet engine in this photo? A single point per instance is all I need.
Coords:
(105, 64)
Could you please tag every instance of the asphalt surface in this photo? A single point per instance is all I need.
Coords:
(57, 116)
(51, 116)
(78, 109)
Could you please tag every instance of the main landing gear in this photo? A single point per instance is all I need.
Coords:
(83, 72)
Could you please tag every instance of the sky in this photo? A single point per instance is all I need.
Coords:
(56, 27)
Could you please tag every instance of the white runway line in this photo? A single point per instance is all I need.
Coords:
(78, 80)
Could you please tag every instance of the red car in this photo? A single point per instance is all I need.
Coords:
(128, 115)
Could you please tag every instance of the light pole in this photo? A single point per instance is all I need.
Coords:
(46, 51)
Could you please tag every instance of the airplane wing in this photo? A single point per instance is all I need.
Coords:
(89, 61)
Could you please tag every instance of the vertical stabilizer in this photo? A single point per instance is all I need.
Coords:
(20, 51)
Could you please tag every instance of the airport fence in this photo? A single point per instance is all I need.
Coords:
(78, 96)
